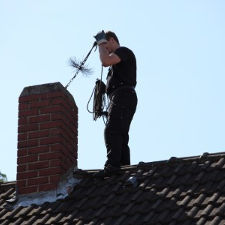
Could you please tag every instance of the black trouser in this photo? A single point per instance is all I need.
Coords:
(122, 107)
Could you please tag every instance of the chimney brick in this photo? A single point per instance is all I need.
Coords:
(47, 137)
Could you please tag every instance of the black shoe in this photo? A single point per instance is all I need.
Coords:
(108, 171)
(99, 174)
(112, 170)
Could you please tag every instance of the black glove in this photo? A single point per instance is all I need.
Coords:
(100, 37)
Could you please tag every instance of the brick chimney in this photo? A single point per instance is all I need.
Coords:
(47, 137)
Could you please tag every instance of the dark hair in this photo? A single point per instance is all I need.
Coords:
(110, 34)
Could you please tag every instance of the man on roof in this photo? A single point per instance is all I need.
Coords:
(120, 89)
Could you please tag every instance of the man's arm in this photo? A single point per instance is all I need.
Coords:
(106, 58)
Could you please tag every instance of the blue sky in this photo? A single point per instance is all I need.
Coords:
(180, 51)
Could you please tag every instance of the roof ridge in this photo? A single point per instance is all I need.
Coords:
(172, 159)
(7, 183)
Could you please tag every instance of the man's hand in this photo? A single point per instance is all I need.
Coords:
(107, 58)
(100, 37)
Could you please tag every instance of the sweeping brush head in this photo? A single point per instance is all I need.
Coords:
(78, 66)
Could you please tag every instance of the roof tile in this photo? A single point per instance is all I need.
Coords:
(222, 221)
(19, 221)
(44, 219)
(216, 220)
(184, 201)
(201, 221)
(221, 210)
(31, 220)
(118, 220)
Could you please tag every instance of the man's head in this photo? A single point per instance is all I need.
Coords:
(112, 41)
